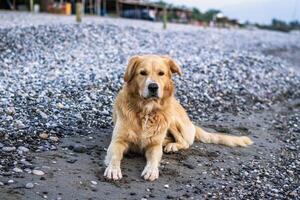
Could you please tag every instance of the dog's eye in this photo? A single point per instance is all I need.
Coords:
(161, 73)
(143, 73)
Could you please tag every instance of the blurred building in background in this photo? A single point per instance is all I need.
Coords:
(135, 9)
(143, 9)
(59, 7)
(222, 21)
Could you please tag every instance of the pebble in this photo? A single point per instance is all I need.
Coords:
(60, 105)
(10, 111)
(44, 136)
(20, 124)
(166, 186)
(71, 160)
(79, 148)
(29, 185)
(293, 193)
(54, 138)
(8, 149)
(23, 149)
(10, 181)
(94, 182)
(38, 172)
(43, 115)
(1, 183)
(25, 163)
(189, 165)
(18, 170)
(27, 170)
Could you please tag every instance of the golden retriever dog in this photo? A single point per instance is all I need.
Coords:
(148, 119)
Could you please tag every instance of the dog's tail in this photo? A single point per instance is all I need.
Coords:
(218, 138)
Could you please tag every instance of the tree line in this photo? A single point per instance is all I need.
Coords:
(209, 15)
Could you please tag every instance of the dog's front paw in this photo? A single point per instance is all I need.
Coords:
(113, 172)
(150, 173)
(171, 147)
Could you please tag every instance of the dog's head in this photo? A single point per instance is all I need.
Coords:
(150, 76)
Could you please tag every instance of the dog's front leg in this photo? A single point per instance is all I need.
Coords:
(153, 156)
(113, 159)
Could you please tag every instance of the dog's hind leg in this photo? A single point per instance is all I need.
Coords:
(183, 137)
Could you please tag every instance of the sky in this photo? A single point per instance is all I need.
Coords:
(261, 11)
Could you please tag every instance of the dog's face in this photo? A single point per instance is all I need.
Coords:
(150, 76)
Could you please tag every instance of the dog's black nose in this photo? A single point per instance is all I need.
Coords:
(153, 87)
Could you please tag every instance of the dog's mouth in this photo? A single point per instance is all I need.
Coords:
(151, 98)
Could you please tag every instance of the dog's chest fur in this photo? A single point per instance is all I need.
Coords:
(151, 128)
(147, 125)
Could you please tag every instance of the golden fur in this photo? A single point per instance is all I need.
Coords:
(151, 125)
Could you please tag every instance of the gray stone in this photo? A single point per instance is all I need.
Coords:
(38, 172)
(23, 149)
(29, 185)
(79, 148)
(10, 111)
(20, 124)
(8, 149)
(17, 170)
(54, 138)
(43, 115)
(25, 162)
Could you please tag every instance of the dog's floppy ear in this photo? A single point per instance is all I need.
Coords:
(131, 68)
(174, 67)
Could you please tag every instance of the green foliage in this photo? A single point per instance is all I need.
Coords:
(295, 25)
(172, 15)
(206, 16)
(162, 3)
(279, 25)
(209, 15)
(196, 14)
